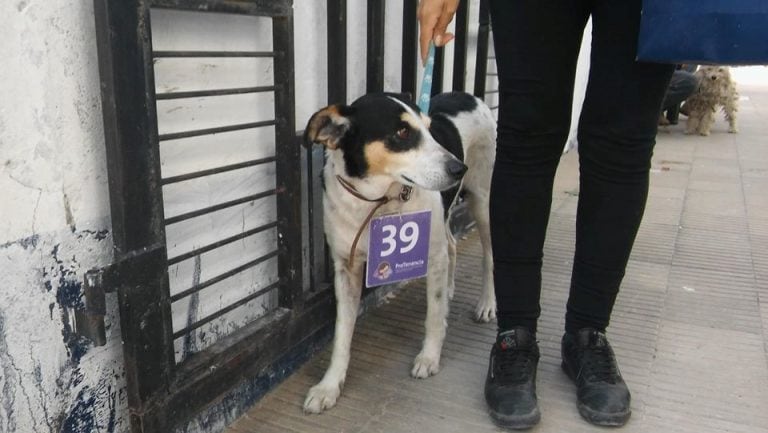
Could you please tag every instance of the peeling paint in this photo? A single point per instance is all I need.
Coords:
(51, 379)
(26, 243)
(9, 380)
(81, 418)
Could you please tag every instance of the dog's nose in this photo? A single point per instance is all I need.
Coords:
(456, 168)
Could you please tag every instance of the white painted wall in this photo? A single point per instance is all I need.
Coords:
(54, 222)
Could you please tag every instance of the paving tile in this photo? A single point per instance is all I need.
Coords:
(692, 385)
(715, 203)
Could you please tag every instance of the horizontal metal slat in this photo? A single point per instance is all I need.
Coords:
(196, 54)
(225, 310)
(220, 206)
(270, 8)
(215, 130)
(214, 92)
(210, 247)
(224, 276)
(217, 170)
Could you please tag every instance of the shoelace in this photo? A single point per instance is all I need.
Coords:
(514, 365)
(597, 364)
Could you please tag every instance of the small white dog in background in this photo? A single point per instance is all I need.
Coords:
(716, 89)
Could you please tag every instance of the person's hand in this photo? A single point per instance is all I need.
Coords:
(434, 17)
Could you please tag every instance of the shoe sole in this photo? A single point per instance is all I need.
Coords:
(523, 422)
(607, 419)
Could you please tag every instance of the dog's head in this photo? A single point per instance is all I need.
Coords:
(714, 76)
(381, 134)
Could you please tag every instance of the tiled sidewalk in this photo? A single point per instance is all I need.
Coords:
(689, 327)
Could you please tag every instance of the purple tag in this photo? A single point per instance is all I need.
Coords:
(398, 248)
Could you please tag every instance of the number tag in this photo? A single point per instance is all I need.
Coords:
(398, 248)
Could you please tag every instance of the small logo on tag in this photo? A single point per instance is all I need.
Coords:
(398, 248)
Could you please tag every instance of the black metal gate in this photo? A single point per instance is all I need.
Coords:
(169, 384)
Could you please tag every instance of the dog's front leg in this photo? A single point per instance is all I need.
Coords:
(485, 310)
(692, 125)
(705, 123)
(348, 284)
(427, 362)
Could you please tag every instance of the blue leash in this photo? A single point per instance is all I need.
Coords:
(426, 81)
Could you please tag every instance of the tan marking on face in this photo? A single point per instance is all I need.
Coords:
(415, 123)
(380, 160)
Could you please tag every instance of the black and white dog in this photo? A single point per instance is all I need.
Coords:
(385, 157)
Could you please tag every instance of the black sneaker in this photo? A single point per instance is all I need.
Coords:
(510, 388)
(589, 361)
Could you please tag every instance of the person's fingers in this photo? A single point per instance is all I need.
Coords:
(434, 17)
(428, 14)
(426, 35)
(445, 18)
(444, 39)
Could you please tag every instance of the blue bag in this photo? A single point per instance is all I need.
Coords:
(728, 32)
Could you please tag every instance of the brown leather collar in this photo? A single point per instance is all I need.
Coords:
(405, 195)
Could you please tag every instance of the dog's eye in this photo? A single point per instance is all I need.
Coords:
(403, 133)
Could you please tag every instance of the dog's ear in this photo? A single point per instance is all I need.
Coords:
(404, 97)
(328, 126)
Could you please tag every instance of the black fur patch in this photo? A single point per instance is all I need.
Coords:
(445, 132)
(447, 135)
(375, 117)
(452, 103)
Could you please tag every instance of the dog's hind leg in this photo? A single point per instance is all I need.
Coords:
(485, 310)
(451, 260)
(348, 284)
(705, 123)
(730, 115)
(427, 362)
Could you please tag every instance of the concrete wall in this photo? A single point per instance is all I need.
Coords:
(54, 223)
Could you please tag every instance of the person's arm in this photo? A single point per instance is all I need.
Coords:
(434, 17)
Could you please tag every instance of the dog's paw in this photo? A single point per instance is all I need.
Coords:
(704, 133)
(485, 310)
(425, 366)
(733, 130)
(321, 397)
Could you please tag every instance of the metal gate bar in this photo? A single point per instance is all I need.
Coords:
(460, 42)
(162, 393)
(375, 64)
(481, 65)
(410, 47)
(135, 196)
(215, 92)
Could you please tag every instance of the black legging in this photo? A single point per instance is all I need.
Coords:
(537, 44)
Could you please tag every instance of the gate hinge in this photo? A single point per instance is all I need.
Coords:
(89, 320)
